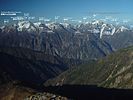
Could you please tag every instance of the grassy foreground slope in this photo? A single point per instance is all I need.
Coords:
(113, 71)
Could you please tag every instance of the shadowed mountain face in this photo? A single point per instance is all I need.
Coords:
(30, 66)
(114, 71)
(32, 71)
(92, 40)
(55, 39)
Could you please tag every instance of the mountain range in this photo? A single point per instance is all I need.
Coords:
(91, 53)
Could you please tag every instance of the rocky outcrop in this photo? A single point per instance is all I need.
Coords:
(45, 96)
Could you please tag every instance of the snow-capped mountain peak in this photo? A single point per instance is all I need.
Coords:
(37, 24)
(122, 29)
(54, 26)
(95, 22)
(66, 25)
(23, 24)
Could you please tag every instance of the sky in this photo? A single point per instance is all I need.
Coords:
(69, 8)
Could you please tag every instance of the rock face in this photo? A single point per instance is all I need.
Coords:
(114, 71)
(55, 39)
(84, 41)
